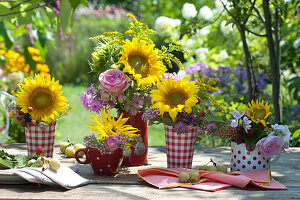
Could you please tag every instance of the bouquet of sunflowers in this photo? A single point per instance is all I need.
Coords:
(127, 67)
(184, 104)
(39, 102)
(252, 128)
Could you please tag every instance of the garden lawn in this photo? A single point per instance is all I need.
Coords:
(75, 124)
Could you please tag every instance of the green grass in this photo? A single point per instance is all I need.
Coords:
(75, 123)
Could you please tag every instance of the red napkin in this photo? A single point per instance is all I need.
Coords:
(211, 181)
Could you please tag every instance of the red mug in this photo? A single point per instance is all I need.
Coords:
(102, 164)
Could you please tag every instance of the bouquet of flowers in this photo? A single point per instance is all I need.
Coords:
(252, 128)
(184, 104)
(112, 134)
(127, 69)
(39, 102)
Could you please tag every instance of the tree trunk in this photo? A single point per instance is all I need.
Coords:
(274, 63)
(247, 63)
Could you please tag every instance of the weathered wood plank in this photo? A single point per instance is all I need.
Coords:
(126, 184)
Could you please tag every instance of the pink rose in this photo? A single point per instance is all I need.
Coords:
(112, 143)
(270, 146)
(114, 81)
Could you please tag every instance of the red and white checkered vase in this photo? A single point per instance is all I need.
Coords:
(180, 147)
(38, 138)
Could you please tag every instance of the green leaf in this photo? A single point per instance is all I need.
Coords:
(35, 164)
(213, 118)
(6, 163)
(296, 134)
(21, 160)
(52, 17)
(42, 38)
(66, 15)
(6, 35)
(28, 58)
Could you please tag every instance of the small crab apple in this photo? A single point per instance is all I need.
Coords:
(77, 147)
(184, 177)
(54, 164)
(194, 176)
(39, 151)
(63, 146)
(70, 152)
(222, 168)
(32, 123)
(211, 168)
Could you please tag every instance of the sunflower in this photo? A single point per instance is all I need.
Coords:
(108, 125)
(142, 62)
(258, 112)
(174, 96)
(44, 96)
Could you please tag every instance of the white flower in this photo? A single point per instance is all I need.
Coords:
(237, 114)
(296, 43)
(226, 29)
(234, 123)
(219, 5)
(205, 13)
(246, 123)
(284, 132)
(223, 55)
(188, 11)
(201, 53)
(203, 32)
(164, 25)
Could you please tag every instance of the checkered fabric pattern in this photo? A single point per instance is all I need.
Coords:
(180, 147)
(38, 138)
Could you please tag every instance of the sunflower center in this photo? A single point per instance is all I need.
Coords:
(41, 99)
(259, 114)
(176, 98)
(139, 63)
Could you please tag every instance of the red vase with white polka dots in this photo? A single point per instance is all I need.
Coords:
(242, 159)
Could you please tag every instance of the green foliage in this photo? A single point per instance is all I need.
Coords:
(12, 161)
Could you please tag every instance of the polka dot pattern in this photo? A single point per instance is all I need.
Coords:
(242, 159)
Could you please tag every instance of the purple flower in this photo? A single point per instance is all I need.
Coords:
(237, 114)
(112, 142)
(246, 123)
(174, 76)
(114, 81)
(270, 146)
(86, 100)
(239, 86)
(91, 89)
(179, 127)
(77, 170)
(30, 35)
(96, 105)
(195, 68)
(211, 127)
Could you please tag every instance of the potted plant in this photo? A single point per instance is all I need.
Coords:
(39, 104)
(184, 108)
(113, 140)
(126, 71)
(255, 142)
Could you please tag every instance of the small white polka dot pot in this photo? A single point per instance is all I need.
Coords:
(242, 159)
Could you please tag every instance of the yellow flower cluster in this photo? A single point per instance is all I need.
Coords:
(206, 87)
(15, 62)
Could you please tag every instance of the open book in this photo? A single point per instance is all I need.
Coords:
(64, 177)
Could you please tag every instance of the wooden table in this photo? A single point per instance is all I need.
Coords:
(126, 184)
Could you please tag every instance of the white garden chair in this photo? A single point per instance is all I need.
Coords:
(6, 95)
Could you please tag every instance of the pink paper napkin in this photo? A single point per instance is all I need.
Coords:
(211, 181)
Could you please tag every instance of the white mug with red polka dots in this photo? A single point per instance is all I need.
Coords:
(242, 159)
